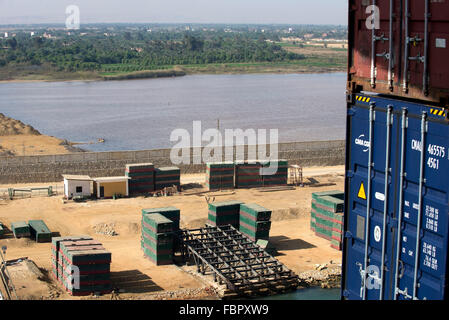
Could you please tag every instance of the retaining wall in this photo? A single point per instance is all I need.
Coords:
(49, 168)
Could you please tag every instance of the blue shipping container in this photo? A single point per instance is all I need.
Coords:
(396, 224)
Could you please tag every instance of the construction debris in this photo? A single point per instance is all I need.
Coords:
(105, 229)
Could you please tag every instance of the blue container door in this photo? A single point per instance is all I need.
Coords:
(390, 183)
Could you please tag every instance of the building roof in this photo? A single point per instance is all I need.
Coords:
(76, 177)
(111, 179)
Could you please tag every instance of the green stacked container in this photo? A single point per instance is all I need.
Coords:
(157, 238)
(255, 221)
(220, 175)
(273, 176)
(167, 177)
(224, 213)
(171, 213)
(141, 178)
(39, 231)
(20, 229)
(327, 216)
(81, 265)
(247, 175)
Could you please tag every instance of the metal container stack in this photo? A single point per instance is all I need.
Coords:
(39, 231)
(157, 238)
(327, 216)
(255, 221)
(141, 178)
(224, 213)
(274, 177)
(220, 175)
(81, 265)
(167, 177)
(247, 174)
(20, 229)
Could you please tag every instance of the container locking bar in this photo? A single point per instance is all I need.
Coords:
(387, 174)
(373, 48)
(368, 198)
(401, 202)
(421, 187)
(426, 49)
(387, 55)
(391, 50)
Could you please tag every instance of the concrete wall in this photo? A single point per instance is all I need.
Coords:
(50, 168)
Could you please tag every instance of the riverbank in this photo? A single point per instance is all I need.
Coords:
(19, 139)
(317, 60)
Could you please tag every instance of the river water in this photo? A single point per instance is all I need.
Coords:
(141, 114)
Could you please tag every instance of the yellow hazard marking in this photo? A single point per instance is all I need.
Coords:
(362, 193)
(363, 99)
(437, 112)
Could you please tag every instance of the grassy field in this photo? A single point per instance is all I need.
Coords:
(317, 60)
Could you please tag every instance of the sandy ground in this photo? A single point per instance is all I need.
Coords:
(31, 145)
(299, 249)
(17, 138)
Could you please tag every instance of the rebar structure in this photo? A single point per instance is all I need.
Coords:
(235, 260)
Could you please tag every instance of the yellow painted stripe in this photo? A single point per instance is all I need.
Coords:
(364, 99)
(431, 111)
(441, 113)
(368, 100)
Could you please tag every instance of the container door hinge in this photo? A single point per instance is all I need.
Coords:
(348, 235)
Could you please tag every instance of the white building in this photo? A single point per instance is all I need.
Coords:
(75, 185)
(6, 34)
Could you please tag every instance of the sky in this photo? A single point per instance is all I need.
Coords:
(177, 11)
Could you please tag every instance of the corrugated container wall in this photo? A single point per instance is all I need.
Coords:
(402, 53)
(396, 200)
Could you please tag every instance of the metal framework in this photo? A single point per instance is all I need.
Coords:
(236, 261)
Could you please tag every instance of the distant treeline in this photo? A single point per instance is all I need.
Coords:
(129, 51)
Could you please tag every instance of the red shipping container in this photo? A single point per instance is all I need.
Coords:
(400, 48)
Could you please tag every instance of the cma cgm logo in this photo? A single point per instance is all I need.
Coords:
(360, 141)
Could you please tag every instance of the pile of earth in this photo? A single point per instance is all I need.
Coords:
(12, 127)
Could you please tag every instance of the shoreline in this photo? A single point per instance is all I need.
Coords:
(174, 76)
